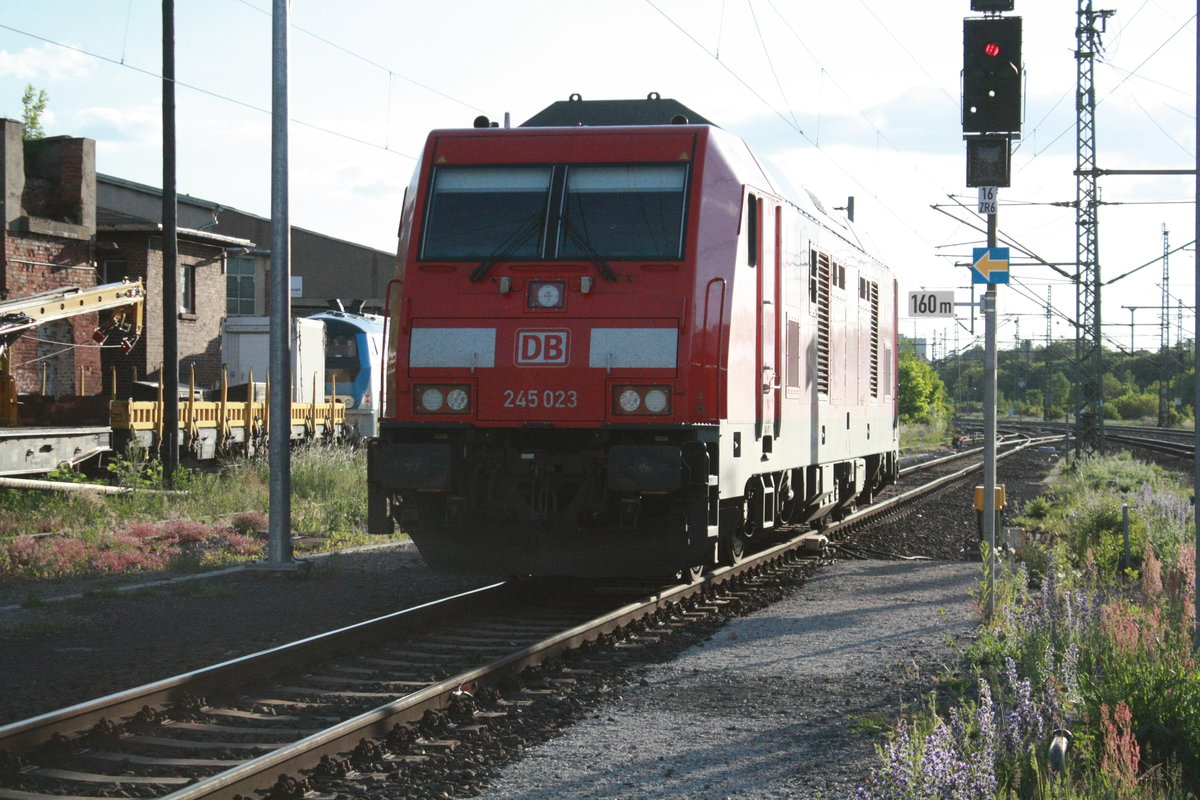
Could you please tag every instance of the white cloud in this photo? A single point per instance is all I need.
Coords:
(45, 64)
(136, 124)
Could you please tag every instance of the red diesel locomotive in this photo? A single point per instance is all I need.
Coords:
(616, 349)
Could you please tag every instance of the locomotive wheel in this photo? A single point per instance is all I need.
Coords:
(733, 548)
(689, 575)
(845, 511)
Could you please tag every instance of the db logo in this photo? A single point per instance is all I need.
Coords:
(543, 348)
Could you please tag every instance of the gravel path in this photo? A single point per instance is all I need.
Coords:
(780, 704)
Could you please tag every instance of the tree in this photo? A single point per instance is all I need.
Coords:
(922, 393)
(1057, 394)
(33, 104)
(1135, 405)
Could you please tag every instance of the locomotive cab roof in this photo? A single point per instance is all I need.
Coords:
(654, 110)
(576, 111)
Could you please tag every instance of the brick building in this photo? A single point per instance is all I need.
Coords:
(323, 268)
(66, 226)
(135, 251)
(49, 205)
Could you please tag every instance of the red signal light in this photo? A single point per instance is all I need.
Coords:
(992, 75)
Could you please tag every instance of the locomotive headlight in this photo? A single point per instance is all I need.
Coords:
(642, 400)
(656, 401)
(457, 399)
(442, 399)
(546, 294)
(431, 399)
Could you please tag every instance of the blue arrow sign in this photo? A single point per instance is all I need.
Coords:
(989, 265)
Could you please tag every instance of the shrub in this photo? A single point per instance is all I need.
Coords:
(1133, 405)
(249, 523)
(242, 545)
(145, 530)
(187, 532)
(135, 468)
(1036, 509)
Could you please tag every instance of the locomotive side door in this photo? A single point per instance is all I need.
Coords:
(766, 219)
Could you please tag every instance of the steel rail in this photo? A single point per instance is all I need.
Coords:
(306, 753)
(960, 455)
(1157, 445)
(1172, 441)
(33, 732)
(881, 507)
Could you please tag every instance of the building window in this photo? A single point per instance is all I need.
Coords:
(187, 290)
(239, 287)
(112, 270)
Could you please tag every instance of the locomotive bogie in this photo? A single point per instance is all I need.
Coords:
(619, 351)
(506, 502)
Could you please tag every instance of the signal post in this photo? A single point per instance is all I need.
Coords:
(991, 119)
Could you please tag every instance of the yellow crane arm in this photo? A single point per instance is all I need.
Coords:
(123, 301)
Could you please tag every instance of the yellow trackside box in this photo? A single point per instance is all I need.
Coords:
(999, 497)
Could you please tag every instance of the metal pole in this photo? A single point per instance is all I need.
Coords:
(1196, 347)
(1164, 334)
(280, 553)
(169, 374)
(989, 432)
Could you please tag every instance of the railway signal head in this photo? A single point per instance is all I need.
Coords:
(992, 75)
(992, 5)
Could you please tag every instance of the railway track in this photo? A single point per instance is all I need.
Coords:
(405, 687)
(1168, 441)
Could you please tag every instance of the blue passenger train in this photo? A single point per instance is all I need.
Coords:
(353, 361)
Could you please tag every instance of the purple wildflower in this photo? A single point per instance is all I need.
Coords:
(939, 767)
(982, 770)
(1024, 724)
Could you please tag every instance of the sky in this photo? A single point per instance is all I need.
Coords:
(850, 98)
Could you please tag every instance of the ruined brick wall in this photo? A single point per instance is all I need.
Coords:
(36, 263)
(49, 216)
(60, 181)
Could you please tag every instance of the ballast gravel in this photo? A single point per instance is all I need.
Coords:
(788, 702)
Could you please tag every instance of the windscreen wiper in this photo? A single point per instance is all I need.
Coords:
(515, 240)
(583, 244)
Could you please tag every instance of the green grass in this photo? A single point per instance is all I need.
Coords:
(219, 520)
(918, 437)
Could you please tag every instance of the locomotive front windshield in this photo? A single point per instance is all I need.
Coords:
(342, 360)
(623, 212)
(556, 212)
(477, 211)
